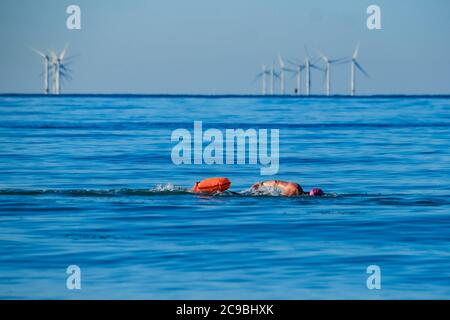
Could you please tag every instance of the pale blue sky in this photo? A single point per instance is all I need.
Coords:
(209, 46)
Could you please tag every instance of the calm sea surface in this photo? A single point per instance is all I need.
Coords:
(89, 181)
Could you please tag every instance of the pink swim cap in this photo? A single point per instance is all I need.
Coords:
(316, 192)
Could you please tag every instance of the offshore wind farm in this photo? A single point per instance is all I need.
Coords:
(56, 68)
(323, 70)
(224, 58)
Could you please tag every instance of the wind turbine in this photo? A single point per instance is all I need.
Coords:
(328, 63)
(282, 70)
(58, 69)
(308, 66)
(46, 68)
(262, 75)
(354, 63)
(298, 73)
(273, 75)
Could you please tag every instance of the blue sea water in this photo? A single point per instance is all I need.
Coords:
(89, 181)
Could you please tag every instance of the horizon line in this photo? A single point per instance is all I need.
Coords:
(228, 95)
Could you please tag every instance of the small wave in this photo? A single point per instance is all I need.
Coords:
(158, 190)
(143, 125)
(166, 189)
(171, 189)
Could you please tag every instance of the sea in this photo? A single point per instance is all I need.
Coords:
(88, 183)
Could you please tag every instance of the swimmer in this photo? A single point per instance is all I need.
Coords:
(287, 188)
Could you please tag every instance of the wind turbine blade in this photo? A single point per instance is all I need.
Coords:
(69, 58)
(280, 61)
(43, 55)
(313, 66)
(361, 69)
(338, 60)
(322, 56)
(292, 62)
(65, 67)
(65, 74)
(355, 54)
(66, 64)
(63, 52)
(258, 76)
(342, 61)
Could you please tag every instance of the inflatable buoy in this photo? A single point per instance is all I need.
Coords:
(212, 185)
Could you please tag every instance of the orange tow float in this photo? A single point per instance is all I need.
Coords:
(212, 185)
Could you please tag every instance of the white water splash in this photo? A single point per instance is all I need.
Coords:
(168, 187)
(263, 191)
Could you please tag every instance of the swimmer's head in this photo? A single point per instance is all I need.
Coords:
(316, 192)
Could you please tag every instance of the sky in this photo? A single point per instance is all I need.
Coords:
(218, 47)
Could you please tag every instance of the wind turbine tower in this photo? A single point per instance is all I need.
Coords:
(327, 72)
(272, 79)
(262, 75)
(328, 63)
(353, 66)
(58, 65)
(308, 66)
(308, 75)
(282, 88)
(46, 69)
(56, 69)
(298, 74)
(282, 75)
